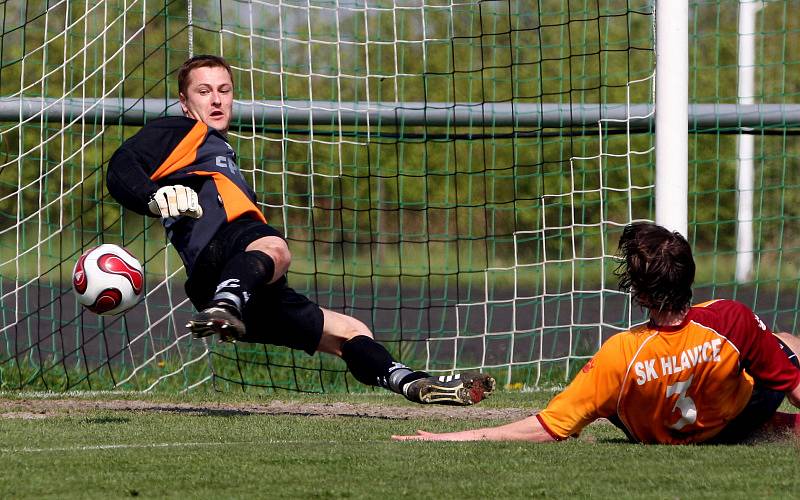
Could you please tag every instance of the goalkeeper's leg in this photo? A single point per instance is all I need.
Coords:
(263, 262)
(371, 364)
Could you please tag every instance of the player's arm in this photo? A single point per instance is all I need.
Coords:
(794, 396)
(129, 173)
(128, 181)
(527, 429)
(591, 395)
(792, 343)
(761, 353)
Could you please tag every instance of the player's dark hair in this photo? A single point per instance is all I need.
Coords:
(657, 267)
(200, 61)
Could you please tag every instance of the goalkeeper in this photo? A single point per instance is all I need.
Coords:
(712, 373)
(182, 170)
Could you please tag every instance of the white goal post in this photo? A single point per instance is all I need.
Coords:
(672, 115)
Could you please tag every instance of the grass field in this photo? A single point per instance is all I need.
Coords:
(337, 446)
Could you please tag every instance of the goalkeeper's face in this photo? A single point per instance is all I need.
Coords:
(209, 97)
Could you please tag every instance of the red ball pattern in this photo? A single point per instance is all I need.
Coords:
(110, 263)
(106, 300)
(79, 278)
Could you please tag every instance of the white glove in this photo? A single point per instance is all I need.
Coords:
(174, 201)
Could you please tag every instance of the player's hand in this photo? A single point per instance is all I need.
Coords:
(174, 201)
(424, 436)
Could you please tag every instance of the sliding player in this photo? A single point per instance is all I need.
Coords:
(709, 373)
(183, 170)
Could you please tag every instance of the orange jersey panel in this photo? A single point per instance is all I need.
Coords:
(237, 203)
(184, 153)
(673, 385)
(682, 386)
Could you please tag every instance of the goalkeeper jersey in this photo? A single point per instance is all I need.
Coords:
(679, 384)
(180, 150)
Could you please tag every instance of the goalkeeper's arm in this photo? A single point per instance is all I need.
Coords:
(128, 181)
(175, 201)
(129, 173)
(132, 188)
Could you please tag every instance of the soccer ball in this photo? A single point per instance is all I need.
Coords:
(108, 280)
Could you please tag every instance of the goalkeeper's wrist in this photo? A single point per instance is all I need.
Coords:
(152, 206)
(175, 201)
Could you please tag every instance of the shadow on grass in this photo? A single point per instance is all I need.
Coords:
(615, 440)
(107, 420)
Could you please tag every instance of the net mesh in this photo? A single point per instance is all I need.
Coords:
(714, 153)
(398, 145)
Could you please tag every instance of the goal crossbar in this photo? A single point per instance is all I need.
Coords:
(129, 111)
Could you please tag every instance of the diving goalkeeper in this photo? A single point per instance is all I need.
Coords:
(182, 170)
(712, 373)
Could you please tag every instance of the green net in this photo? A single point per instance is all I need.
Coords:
(455, 175)
(715, 151)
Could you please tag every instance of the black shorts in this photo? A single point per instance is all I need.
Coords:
(763, 404)
(275, 314)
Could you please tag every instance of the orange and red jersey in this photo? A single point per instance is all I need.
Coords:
(674, 385)
(180, 150)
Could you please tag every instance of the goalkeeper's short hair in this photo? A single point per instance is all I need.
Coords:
(200, 61)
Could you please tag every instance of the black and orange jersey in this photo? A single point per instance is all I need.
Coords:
(675, 385)
(180, 150)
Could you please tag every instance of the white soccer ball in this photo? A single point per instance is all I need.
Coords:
(108, 280)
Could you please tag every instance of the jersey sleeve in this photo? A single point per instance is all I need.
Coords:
(592, 394)
(758, 348)
(128, 182)
(129, 170)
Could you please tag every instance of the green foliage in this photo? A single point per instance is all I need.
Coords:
(384, 221)
(362, 187)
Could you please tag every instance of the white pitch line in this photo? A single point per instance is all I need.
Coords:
(108, 447)
(168, 445)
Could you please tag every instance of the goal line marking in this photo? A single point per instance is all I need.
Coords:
(168, 445)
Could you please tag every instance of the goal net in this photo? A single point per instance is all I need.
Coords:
(454, 174)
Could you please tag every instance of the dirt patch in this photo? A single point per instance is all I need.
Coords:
(44, 408)
(23, 415)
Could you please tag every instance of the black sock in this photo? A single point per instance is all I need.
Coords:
(241, 276)
(371, 364)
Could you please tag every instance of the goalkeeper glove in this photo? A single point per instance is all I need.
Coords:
(174, 201)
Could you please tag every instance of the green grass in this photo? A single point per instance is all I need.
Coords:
(216, 455)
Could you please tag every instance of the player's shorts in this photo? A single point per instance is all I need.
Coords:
(763, 404)
(275, 314)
